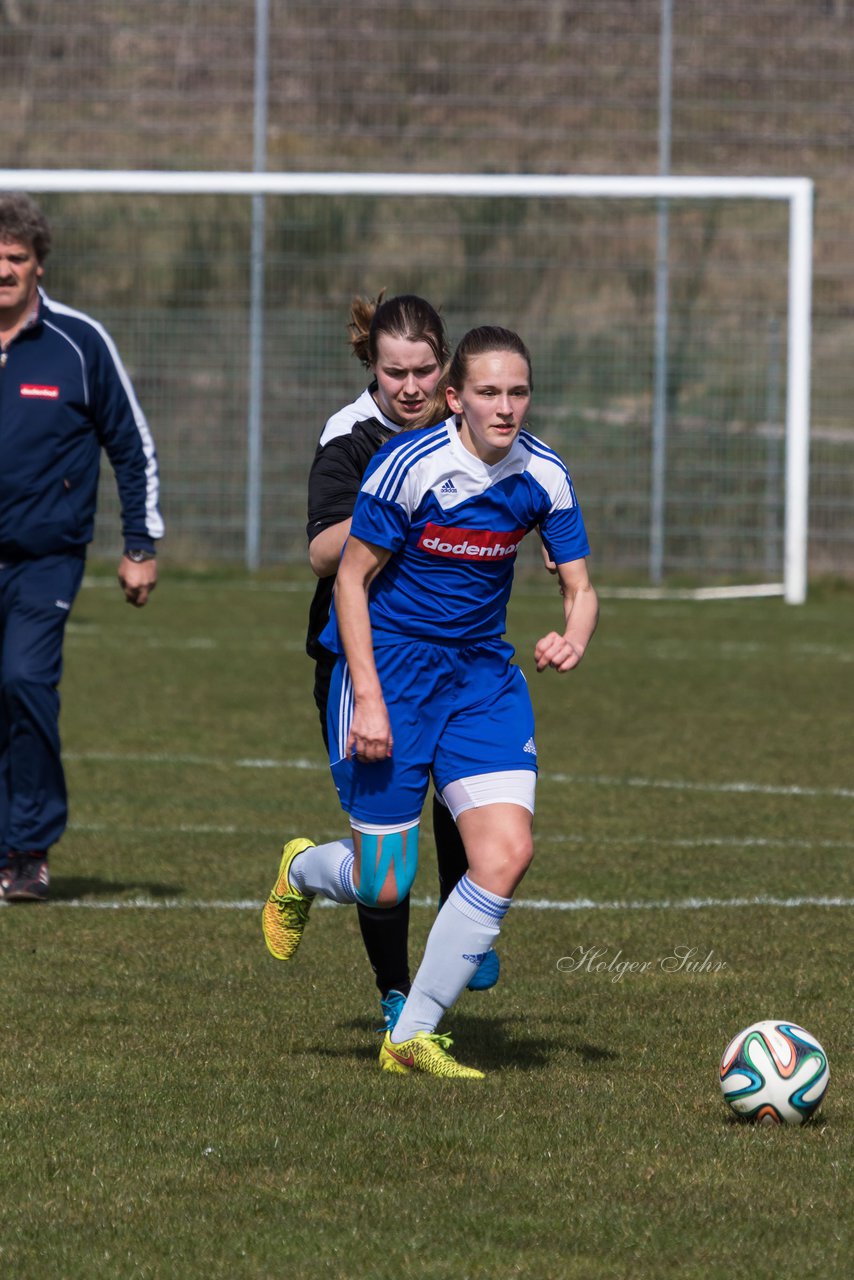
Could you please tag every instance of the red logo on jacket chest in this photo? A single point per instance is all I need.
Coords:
(30, 391)
(470, 544)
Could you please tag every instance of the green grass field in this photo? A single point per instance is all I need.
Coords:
(177, 1104)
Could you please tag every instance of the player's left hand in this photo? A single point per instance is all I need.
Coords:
(556, 651)
(137, 580)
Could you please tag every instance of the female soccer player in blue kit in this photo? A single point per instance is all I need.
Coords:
(401, 341)
(424, 683)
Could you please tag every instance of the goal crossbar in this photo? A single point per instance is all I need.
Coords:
(796, 192)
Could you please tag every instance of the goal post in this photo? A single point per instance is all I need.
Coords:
(794, 193)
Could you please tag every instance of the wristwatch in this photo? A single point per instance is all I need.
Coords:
(138, 556)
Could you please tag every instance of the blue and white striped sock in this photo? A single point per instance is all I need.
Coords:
(326, 869)
(463, 932)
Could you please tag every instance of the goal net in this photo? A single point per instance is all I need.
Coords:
(668, 319)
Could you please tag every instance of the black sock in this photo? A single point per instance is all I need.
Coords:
(450, 850)
(385, 932)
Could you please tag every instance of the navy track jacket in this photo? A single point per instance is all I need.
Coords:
(64, 393)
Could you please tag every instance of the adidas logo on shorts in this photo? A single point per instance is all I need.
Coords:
(531, 747)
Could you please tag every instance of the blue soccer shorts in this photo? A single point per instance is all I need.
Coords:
(456, 711)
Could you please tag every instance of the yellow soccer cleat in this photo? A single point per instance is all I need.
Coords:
(424, 1052)
(285, 912)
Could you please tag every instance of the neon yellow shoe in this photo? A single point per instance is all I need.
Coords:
(424, 1052)
(286, 910)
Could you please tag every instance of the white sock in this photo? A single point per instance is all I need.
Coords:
(463, 932)
(326, 869)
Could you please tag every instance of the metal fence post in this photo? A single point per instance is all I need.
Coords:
(255, 396)
(662, 305)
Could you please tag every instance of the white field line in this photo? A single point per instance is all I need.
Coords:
(614, 842)
(672, 651)
(93, 635)
(297, 586)
(576, 779)
(662, 650)
(681, 784)
(531, 904)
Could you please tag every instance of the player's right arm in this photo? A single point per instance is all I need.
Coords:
(324, 550)
(370, 736)
(333, 486)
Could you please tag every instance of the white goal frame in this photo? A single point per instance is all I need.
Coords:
(797, 193)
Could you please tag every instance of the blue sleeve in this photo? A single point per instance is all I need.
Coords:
(564, 535)
(382, 523)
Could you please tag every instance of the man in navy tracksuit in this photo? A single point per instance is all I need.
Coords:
(64, 394)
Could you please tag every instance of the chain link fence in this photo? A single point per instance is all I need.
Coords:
(759, 89)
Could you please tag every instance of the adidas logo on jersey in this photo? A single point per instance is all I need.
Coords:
(531, 747)
(448, 487)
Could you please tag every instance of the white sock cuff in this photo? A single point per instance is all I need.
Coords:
(326, 869)
(479, 904)
(345, 877)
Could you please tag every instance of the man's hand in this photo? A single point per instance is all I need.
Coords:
(137, 580)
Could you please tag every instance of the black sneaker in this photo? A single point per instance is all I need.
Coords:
(31, 879)
(7, 876)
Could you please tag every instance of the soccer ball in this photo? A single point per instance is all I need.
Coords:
(774, 1073)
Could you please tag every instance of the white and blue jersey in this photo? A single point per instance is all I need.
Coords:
(453, 524)
(458, 706)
